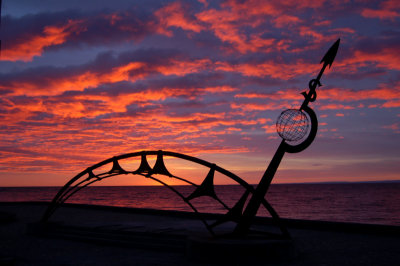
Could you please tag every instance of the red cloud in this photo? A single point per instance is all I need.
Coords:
(387, 11)
(389, 94)
(382, 93)
(289, 94)
(174, 15)
(182, 68)
(251, 107)
(394, 127)
(224, 24)
(31, 46)
(273, 69)
(274, 8)
(286, 20)
(90, 79)
(153, 129)
(74, 82)
(381, 14)
(228, 23)
(91, 106)
(388, 57)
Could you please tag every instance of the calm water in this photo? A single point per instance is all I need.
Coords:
(374, 203)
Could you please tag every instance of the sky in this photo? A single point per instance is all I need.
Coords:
(82, 81)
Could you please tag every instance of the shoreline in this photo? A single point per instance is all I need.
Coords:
(289, 222)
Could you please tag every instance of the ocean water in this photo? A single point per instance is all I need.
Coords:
(371, 203)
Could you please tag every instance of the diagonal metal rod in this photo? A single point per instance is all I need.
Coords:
(259, 194)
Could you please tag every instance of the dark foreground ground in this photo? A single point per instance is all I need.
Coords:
(314, 243)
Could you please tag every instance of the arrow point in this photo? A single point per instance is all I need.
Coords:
(330, 55)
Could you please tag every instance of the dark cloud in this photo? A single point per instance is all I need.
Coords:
(91, 29)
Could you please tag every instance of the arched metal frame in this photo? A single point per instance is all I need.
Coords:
(206, 188)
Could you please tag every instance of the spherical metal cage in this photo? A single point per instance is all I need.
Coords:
(292, 125)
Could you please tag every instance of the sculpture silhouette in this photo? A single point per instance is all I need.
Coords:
(297, 129)
(285, 146)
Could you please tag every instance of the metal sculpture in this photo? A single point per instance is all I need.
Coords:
(290, 128)
(293, 125)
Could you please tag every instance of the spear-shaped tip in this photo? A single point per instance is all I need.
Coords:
(330, 55)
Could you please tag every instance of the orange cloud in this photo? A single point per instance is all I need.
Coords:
(132, 72)
(113, 18)
(224, 24)
(93, 105)
(308, 31)
(334, 106)
(273, 69)
(78, 82)
(391, 104)
(110, 104)
(173, 15)
(394, 127)
(80, 144)
(387, 11)
(271, 8)
(182, 68)
(286, 20)
(270, 129)
(340, 94)
(34, 45)
(289, 94)
(250, 107)
(390, 96)
(385, 58)
(382, 93)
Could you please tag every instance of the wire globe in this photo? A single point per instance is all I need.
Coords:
(292, 125)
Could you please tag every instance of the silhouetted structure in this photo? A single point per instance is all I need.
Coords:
(297, 129)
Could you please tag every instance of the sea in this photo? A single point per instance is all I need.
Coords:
(369, 203)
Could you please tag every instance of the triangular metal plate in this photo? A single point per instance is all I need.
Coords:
(144, 167)
(159, 166)
(235, 213)
(206, 188)
(116, 168)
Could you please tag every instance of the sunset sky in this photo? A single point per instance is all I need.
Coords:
(82, 81)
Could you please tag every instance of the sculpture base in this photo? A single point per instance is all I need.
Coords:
(202, 248)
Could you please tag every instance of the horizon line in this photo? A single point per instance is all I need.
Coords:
(294, 183)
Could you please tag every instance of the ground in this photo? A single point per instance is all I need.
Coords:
(313, 247)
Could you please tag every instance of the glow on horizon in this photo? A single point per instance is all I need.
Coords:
(82, 83)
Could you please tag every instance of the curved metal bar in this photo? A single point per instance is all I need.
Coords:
(177, 192)
(275, 217)
(78, 188)
(58, 199)
(96, 178)
(76, 185)
(222, 203)
(184, 180)
(53, 204)
(187, 202)
(66, 196)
